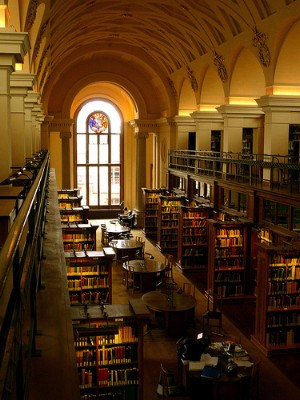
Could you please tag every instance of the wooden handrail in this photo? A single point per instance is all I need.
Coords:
(20, 261)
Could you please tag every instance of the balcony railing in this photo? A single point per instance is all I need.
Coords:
(273, 171)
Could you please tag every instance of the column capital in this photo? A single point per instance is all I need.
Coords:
(141, 135)
(62, 125)
(279, 103)
(65, 135)
(13, 46)
(22, 80)
(240, 110)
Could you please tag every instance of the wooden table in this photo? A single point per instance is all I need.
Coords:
(224, 387)
(176, 308)
(126, 247)
(147, 271)
(114, 231)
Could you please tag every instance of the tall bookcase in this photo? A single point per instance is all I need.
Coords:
(193, 238)
(227, 261)
(79, 237)
(89, 276)
(151, 211)
(277, 323)
(168, 223)
(109, 350)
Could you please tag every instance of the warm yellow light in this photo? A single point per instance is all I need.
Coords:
(4, 16)
(286, 90)
(18, 67)
(208, 107)
(241, 101)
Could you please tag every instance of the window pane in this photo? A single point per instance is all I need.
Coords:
(103, 171)
(269, 211)
(81, 183)
(93, 149)
(81, 153)
(93, 186)
(282, 215)
(115, 149)
(296, 219)
(115, 186)
(103, 149)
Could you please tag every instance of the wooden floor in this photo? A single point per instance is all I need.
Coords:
(53, 372)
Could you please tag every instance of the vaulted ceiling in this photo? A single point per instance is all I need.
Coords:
(150, 39)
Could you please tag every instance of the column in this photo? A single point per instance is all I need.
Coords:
(13, 47)
(65, 147)
(65, 128)
(19, 85)
(45, 132)
(141, 138)
(30, 102)
(206, 122)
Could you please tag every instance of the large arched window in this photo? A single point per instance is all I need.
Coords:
(98, 155)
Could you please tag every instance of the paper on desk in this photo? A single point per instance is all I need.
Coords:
(243, 363)
(209, 360)
(206, 359)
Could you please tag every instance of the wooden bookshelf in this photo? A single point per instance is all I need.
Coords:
(74, 215)
(69, 202)
(79, 237)
(277, 324)
(66, 193)
(89, 276)
(168, 223)
(227, 261)
(193, 238)
(108, 342)
(151, 198)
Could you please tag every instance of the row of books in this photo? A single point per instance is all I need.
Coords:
(194, 240)
(284, 287)
(279, 338)
(230, 277)
(283, 319)
(195, 214)
(229, 252)
(229, 262)
(278, 260)
(108, 377)
(196, 231)
(95, 282)
(125, 334)
(281, 273)
(106, 355)
(231, 241)
(79, 246)
(284, 301)
(194, 252)
(78, 236)
(228, 232)
(93, 297)
(87, 269)
(230, 290)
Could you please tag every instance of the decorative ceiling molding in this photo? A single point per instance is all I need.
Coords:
(31, 14)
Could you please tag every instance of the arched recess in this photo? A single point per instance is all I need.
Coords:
(212, 92)
(187, 99)
(247, 79)
(286, 75)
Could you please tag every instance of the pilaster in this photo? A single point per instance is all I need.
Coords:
(13, 47)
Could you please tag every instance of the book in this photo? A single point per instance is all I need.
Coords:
(210, 372)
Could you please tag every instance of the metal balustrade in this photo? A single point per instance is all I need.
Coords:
(274, 171)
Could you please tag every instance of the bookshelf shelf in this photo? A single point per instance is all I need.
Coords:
(278, 294)
(109, 350)
(89, 276)
(168, 223)
(227, 265)
(79, 236)
(151, 211)
(193, 243)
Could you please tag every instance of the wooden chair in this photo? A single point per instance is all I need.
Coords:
(171, 389)
(188, 288)
(125, 262)
(167, 278)
(213, 312)
(131, 278)
(140, 253)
